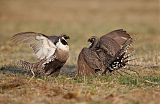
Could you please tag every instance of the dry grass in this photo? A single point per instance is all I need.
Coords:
(80, 19)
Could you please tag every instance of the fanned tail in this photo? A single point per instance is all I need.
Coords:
(121, 58)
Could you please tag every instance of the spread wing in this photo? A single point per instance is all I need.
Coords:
(41, 45)
(92, 59)
(109, 45)
(120, 36)
(114, 41)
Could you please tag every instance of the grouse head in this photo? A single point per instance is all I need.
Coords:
(62, 43)
(94, 42)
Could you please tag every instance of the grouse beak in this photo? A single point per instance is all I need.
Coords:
(67, 37)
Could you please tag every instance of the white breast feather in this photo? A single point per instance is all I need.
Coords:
(61, 46)
(52, 58)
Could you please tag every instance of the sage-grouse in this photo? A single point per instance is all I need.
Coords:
(52, 51)
(110, 51)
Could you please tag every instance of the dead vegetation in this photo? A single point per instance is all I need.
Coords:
(80, 20)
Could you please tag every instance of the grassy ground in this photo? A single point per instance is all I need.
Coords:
(80, 19)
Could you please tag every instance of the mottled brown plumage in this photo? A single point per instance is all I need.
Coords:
(114, 41)
(115, 45)
(89, 63)
(110, 51)
(83, 66)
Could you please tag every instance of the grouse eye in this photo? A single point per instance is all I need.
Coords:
(64, 42)
(91, 40)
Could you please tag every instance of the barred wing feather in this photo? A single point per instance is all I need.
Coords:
(41, 45)
(92, 59)
(120, 36)
(114, 41)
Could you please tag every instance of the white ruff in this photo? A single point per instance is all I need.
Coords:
(61, 46)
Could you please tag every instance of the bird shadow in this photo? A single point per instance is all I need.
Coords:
(11, 69)
(68, 70)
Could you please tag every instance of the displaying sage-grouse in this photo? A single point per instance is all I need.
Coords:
(105, 54)
(52, 51)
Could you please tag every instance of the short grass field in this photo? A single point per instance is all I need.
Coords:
(81, 19)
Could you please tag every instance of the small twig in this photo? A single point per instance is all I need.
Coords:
(151, 82)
